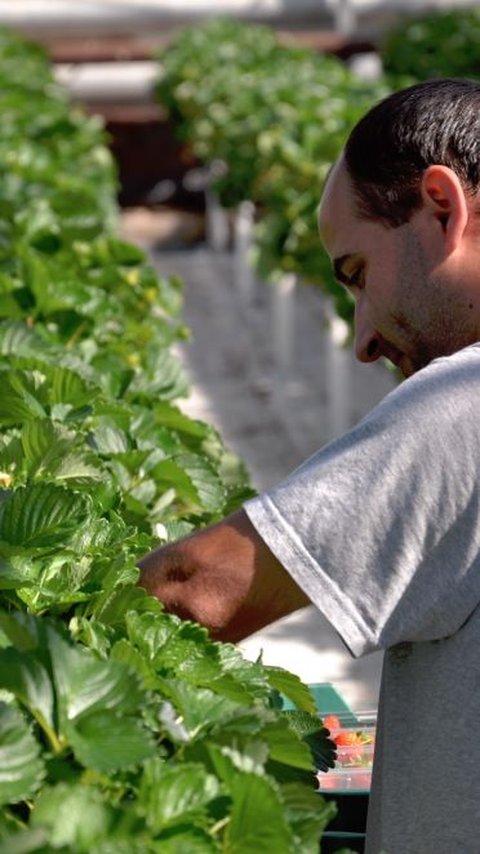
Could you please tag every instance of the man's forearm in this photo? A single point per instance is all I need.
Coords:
(224, 577)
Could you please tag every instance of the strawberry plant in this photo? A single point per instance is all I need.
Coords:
(276, 116)
(438, 43)
(122, 728)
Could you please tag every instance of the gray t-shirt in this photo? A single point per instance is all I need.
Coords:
(381, 529)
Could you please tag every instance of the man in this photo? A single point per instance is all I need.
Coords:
(381, 528)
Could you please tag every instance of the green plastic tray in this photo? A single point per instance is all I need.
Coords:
(328, 702)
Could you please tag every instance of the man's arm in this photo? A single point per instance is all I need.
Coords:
(224, 577)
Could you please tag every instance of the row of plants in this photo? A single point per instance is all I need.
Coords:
(441, 43)
(122, 728)
(276, 116)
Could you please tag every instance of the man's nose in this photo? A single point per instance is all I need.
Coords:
(367, 339)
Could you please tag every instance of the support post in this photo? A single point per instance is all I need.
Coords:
(345, 17)
(284, 321)
(337, 373)
(243, 241)
(217, 227)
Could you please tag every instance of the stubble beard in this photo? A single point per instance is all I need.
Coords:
(433, 318)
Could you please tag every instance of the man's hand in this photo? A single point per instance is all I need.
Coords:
(224, 577)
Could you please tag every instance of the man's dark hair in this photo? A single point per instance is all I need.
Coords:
(437, 122)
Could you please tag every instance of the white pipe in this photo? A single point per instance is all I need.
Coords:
(243, 241)
(337, 372)
(345, 17)
(217, 226)
(284, 321)
(112, 81)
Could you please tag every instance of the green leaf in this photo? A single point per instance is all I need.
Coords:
(200, 708)
(21, 767)
(9, 306)
(311, 730)
(250, 677)
(164, 377)
(250, 756)
(86, 684)
(41, 515)
(98, 704)
(109, 438)
(292, 687)
(119, 596)
(16, 339)
(285, 745)
(92, 634)
(257, 820)
(26, 677)
(19, 399)
(116, 844)
(194, 480)
(108, 742)
(11, 457)
(21, 630)
(173, 795)
(53, 452)
(125, 253)
(24, 841)
(209, 488)
(181, 648)
(308, 814)
(69, 386)
(126, 653)
(75, 816)
(17, 571)
(187, 840)
(168, 415)
(151, 631)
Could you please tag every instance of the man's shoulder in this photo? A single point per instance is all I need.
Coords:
(466, 355)
(447, 389)
(461, 366)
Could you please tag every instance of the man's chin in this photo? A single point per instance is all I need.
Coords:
(403, 365)
(407, 367)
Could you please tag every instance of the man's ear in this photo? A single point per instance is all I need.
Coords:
(444, 199)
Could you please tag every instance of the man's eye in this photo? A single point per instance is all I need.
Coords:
(357, 278)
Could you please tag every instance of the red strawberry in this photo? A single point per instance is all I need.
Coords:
(331, 722)
(352, 745)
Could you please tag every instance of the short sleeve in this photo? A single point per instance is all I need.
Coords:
(381, 528)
